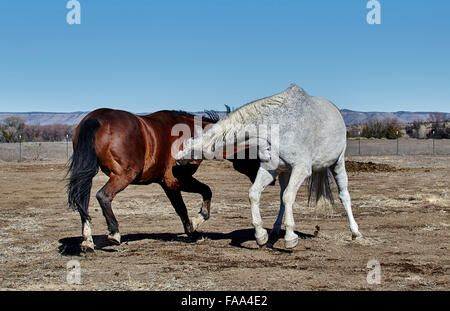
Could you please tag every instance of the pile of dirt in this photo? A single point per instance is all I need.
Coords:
(353, 166)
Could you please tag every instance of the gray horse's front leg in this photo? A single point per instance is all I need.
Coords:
(263, 179)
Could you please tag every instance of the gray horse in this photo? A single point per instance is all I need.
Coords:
(310, 141)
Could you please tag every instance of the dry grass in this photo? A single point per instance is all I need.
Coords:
(403, 215)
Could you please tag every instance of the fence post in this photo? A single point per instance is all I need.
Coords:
(20, 148)
(359, 143)
(67, 146)
(397, 141)
(432, 137)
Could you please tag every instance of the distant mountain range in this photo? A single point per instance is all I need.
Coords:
(46, 118)
(350, 116)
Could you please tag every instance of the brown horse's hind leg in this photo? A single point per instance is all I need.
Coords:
(193, 185)
(177, 202)
(88, 243)
(105, 196)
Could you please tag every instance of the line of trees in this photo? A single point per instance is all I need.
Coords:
(15, 129)
(390, 128)
(437, 127)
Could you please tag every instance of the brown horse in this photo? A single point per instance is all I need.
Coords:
(134, 149)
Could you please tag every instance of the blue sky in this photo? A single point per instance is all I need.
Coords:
(144, 56)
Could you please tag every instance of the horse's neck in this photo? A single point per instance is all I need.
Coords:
(262, 111)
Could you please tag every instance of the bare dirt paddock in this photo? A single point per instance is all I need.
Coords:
(403, 213)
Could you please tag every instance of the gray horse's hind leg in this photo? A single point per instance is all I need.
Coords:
(275, 232)
(298, 175)
(340, 175)
(263, 179)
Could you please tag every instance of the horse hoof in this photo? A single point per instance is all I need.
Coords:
(357, 236)
(289, 244)
(87, 246)
(261, 240)
(196, 222)
(114, 238)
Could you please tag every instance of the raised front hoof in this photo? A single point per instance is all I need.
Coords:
(114, 238)
(357, 236)
(196, 222)
(290, 244)
(262, 239)
(87, 246)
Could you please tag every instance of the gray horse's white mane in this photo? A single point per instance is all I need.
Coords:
(260, 106)
(251, 112)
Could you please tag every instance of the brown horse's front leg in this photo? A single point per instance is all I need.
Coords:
(203, 215)
(177, 202)
(190, 184)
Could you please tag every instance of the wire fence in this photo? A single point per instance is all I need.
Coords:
(401, 146)
(36, 151)
(62, 151)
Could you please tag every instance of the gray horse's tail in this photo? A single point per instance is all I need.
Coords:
(319, 186)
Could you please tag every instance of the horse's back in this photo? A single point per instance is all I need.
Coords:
(330, 115)
(314, 131)
(330, 139)
(119, 141)
(125, 141)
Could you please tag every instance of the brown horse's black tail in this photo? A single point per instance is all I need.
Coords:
(83, 167)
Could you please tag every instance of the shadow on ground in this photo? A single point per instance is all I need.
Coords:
(71, 246)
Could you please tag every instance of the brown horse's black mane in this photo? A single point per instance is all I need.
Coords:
(212, 116)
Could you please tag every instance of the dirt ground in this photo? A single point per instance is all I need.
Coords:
(403, 212)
